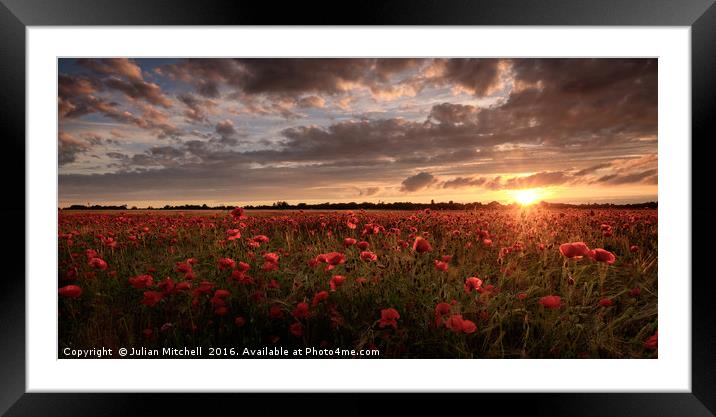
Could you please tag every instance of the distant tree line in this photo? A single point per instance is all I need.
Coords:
(450, 205)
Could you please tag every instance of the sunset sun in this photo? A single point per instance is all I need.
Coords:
(526, 197)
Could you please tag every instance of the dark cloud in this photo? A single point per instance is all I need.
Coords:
(592, 169)
(477, 76)
(285, 77)
(312, 102)
(453, 113)
(540, 179)
(369, 191)
(464, 182)
(196, 109)
(140, 90)
(69, 147)
(227, 132)
(637, 177)
(417, 182)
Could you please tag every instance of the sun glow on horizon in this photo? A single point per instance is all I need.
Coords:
(526, 197)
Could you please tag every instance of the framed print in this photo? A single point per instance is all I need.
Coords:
(482, 199)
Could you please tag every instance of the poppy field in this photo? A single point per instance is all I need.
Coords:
(513, 282)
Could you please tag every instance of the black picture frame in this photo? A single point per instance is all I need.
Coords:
(16, 15)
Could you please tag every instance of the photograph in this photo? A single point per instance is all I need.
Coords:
(357, 208)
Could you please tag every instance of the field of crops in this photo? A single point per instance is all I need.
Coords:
(491, 283)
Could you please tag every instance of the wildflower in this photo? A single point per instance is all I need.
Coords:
(336, 281)
(421, 245)
(151, 298)
(551, 301)
(141, 281)
(98, 263)
(238, 213)
(233, 234)
(606, 302)
(574, 250)
(472, 283)
(70, 291)
(652, 342)
(320, 296)
(368, 256)
(275, 312)
(226, 263)
(296, 329)
(389, 317)
(301, 311)
(441, 265)
(601, 255)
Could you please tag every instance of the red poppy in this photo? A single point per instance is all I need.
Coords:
(182, 267)
(363, 245)
(222, 293)
(151, 298)
(368, 256)
(275, 312)
(301, 311)
(239, 321)
(243, 266)
(606, 302)
(260, 239)
(336, 281)
(457, 324)
(271, 257)
(472, 283)
(334, 258)
(238, 213)
(487, 242)
(226, 263)
(441, 265)
(454, 323)
(652, 342)
(296, 329)
(167, 285)
(421, 245)
(184, 285)
(269, 266)
(522, 296)
(551, 301)
(320, 296)
(575, 250)
(233, 234)
(389, 317)
(70, 291)
(635, 292)
(442, 309)
(98, 263)
(468, 327)
(601, 255)
(141, 281)
(349, 241)
(633, 248)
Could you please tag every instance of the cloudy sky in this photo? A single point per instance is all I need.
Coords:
(249, 131)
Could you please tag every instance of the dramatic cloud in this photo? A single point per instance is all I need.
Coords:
(328, 129)
(69, 148)
(417, 182)
(113, 66)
